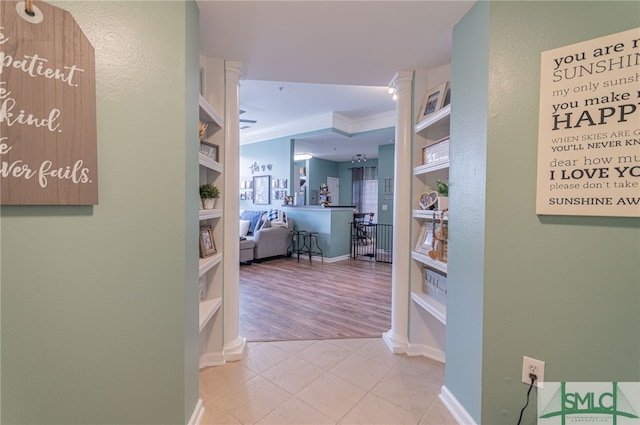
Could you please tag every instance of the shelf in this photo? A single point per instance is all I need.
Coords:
(209, 214)
(435, 126)
(427, 261)
(207, 264)
(209, 116)
(428, 168)
(430, 305)
(429, 214)
(209, 163)
(207, 309)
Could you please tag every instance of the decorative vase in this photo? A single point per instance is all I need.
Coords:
(443, 203)
(209, 203)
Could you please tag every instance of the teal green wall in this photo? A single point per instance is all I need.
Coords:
(331, 224)
(317, 173)
(99, 302)
(561, 289)
(279, 154)
(465, 271)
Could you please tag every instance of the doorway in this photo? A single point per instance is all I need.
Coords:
(333, 184)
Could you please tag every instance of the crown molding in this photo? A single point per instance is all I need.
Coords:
(329, 120)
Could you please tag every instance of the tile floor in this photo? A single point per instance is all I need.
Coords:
(342, 381)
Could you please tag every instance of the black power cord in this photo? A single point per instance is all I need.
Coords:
(533, 379)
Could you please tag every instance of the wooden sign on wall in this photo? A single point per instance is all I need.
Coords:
(48, 141)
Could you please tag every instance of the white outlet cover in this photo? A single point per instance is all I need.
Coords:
(538, 365)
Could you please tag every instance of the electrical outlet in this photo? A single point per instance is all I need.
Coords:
(534, 366)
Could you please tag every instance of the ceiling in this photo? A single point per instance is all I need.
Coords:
(304, 61)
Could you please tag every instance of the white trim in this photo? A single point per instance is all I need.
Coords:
(456, 409)
(374, 122)
(394, 344)
(341, 123)
(426, 351)
(336, 259)
(235, 351)
(328, 120)
(198, 413)
(317, 122)
(211, 359)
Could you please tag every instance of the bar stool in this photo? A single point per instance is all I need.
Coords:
(296, 246)
(312, 237)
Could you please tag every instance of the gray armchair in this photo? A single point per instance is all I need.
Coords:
(272, 241)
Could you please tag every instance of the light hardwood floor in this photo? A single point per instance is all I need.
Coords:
(283, 299)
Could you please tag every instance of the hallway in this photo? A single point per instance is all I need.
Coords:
(341, 381)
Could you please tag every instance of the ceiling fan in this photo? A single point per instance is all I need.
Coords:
(245, 121)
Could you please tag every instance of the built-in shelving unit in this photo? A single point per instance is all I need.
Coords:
(431, 306)
(428, 314)
(210, 268)
(207, 309)
(208, 263)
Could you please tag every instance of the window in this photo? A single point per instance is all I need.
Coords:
(365, 189)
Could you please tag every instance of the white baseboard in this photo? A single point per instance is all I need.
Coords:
(426, 351)
(396, 345)
(456, 409)
(211, 359)
(236, 350)
(198, 413)
(333, 259)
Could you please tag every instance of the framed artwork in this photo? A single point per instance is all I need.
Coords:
(437, 152)
(425, 239)
(428, 199)
(262, 190)
(207, 243)
(209, 150)
(433, 101)
(202, 131)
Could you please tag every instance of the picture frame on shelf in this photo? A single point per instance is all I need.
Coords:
(437, 152)
(428, 199)
(202, 131)
(433, 101)
(424, 242)
(262, 190)
(209, 150)
(207, 243)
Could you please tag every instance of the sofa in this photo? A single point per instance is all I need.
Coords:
(270, 231)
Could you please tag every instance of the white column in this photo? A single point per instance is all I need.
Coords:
(397, 337)
(234, 344)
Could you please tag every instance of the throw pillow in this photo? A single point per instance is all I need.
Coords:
(253, 216)
(277, 218)
(261, 222)
(244, 227)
